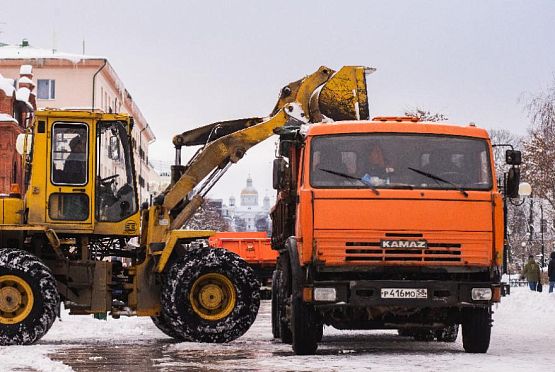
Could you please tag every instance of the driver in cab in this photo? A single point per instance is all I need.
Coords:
(377, 170)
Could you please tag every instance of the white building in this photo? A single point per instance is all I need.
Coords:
(248, 215)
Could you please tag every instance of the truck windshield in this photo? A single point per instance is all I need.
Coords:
(408, 161)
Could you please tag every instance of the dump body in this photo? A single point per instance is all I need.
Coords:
(253, 247)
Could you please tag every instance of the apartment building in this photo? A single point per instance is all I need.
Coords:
(65, 80)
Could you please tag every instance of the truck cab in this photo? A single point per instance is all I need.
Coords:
(393, 224)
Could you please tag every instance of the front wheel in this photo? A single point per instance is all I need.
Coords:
(210, 295)
(476, 330)
(307, 328)
(29, 298)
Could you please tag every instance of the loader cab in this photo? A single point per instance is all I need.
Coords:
(86, 182)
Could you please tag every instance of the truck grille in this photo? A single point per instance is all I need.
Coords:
(372, 251)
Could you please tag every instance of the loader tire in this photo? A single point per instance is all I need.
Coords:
(476, 330)
(210, 295)
(162, 324)
(29, 298)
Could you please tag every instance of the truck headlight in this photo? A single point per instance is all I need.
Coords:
(325, 294)
(481, 294)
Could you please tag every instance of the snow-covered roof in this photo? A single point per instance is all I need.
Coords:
(25, 80)
(23, 94)
(7, 86)
(28, 52)
(26, 70)
(6, 117)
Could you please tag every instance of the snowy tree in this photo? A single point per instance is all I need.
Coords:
(208, 217)
(426, 115)
(539, 153)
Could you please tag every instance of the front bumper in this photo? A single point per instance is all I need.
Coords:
(367, 293)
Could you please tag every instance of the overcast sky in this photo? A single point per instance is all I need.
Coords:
(191, 63)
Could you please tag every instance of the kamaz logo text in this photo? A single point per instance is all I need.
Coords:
(404, 244)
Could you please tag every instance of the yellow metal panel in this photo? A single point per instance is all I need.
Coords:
(11, 210)
(174, 237)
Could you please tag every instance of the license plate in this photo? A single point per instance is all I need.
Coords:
(404, 293)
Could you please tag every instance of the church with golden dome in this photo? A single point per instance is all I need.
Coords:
(248, 214)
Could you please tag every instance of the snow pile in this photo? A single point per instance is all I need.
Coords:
(24, 358)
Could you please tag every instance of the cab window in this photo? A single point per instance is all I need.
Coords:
(69, 154)
(115, 187)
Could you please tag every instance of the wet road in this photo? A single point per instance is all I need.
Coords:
(256, 350)
(135, 344)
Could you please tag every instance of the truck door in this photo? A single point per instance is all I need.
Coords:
(69, 167)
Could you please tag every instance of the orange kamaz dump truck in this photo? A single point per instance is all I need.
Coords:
(388, 224)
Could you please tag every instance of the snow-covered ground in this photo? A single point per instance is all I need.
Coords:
(523, 339)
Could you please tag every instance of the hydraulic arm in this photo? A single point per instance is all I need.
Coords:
(325, 95)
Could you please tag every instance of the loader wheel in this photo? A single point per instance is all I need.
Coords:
(448, 334)
(162, 324)
(210, 295)
(29, 298)
(476, 330)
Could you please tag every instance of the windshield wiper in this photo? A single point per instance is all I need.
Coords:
(436, 178)
(372, 187)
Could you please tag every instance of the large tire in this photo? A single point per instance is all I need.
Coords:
(210, 295)
(307, 328)
(448, 334)
(162, 324)
(29, 298)
(275, 313)
(283, 299)
(476, 330)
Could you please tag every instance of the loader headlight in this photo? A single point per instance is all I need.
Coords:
(481, 294)
(325, 294)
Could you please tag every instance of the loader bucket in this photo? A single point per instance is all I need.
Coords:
(343, 97)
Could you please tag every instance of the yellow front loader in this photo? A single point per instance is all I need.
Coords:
(78, 235)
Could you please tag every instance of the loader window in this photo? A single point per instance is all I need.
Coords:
(408, 161)
(69, 154)
(68, 207)
(115, 187)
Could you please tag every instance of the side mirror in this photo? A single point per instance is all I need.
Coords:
(23, 141)
(513, 157)
(279, 173)
(513, 181)
(524, 189)
(113, 148)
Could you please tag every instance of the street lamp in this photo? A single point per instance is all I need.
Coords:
(542, 223)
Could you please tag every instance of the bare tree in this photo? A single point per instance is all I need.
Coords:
(539, 152)
(503, 137)
(208, 217)
(426, 115)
